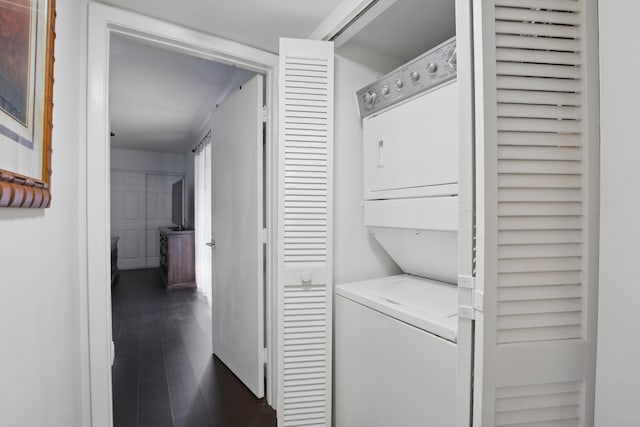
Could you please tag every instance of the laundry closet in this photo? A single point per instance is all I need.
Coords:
(479, 162)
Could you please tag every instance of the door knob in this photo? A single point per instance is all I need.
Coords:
(306, 277)
(211, 244)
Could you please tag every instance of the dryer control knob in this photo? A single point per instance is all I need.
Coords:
(399, 84)
(415, 76)
(453, 59)
(369, 99)
(385, 90)
(432, 67)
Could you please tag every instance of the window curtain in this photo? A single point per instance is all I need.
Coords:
(202, 190)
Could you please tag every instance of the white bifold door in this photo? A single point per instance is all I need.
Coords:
(536, 95)
(305, 208)
(237, 230)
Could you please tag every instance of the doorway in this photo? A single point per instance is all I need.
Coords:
(102, 22)
(163, 369)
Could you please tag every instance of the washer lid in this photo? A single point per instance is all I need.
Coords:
(424, 303)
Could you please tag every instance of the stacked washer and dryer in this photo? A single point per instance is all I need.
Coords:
(395, 337)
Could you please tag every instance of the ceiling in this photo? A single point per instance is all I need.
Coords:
(257, 23)
(159, 97)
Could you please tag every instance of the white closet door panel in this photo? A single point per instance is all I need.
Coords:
(131, 244)
(158, 213)
(526, 12)
(536, 29)
(153, 247)
(128, 218)
(534, 355)
(560, 5)
(305, 290)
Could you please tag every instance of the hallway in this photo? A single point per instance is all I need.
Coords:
(164, 373)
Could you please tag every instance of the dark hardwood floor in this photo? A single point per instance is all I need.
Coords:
(164, 373)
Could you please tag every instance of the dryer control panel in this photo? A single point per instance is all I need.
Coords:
(427, 71)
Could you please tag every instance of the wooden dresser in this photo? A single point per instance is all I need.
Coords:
(177, 258)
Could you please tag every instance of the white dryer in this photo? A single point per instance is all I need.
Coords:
(395, 337)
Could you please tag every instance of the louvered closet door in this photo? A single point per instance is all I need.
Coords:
(304, 230)
(534, 357)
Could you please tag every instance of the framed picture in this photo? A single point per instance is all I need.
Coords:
(27, 35)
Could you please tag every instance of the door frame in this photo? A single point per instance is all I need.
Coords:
(103, 21)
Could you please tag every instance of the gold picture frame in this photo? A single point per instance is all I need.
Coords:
(26, 102)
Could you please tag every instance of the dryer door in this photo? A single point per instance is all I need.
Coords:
(414, 144)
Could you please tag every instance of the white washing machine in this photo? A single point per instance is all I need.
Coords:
(395, 357)
(395, 337)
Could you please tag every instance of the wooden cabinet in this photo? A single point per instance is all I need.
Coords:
(177, 258)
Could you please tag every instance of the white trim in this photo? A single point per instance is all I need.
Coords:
(338, 18)
(466, 203)
(590, 42)
(104, 21)
(485, 105)
(149, 172)
(84, 398)
(343, 22)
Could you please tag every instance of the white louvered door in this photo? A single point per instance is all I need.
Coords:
(536, 166)
(305, 233)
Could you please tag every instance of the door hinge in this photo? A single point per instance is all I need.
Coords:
(470, 299)
(264, 114)
(265, 235)
(264, 356)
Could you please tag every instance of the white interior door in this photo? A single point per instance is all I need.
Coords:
(158, 213)
(128, 218)
(237, 228)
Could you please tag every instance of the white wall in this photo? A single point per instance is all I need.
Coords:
(618, 363)
(40, 308)
(147, 161)
(357, 256)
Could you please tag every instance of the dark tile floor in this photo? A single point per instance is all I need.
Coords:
(164, 373)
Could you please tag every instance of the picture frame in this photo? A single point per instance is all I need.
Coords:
(27, 39)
